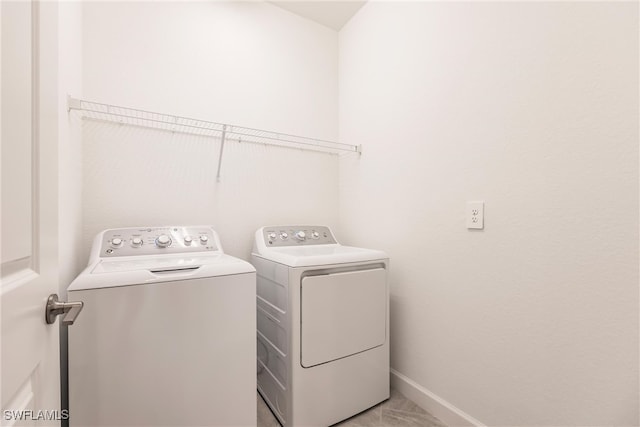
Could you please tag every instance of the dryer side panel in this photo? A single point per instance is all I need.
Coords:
(342, 314)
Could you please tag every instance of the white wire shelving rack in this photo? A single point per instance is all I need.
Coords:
(224, 132)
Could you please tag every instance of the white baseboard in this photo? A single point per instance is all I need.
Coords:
(445, 411)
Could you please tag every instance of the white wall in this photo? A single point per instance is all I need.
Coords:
(245, 63)
(70, 144)
(70, 254)
(533, 108)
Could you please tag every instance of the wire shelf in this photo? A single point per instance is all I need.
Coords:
(226, 132)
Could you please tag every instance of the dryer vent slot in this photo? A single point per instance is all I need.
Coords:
(175, 270)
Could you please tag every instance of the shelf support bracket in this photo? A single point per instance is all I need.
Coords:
(222, 140)
(73, 104)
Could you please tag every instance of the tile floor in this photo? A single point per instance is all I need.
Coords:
(398, 411)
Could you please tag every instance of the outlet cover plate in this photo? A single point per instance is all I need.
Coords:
(475, 215)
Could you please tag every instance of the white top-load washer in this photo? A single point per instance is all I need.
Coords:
(323, 325)
(167, 333)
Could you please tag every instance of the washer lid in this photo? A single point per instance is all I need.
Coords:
(154, 263)
(305, 256)
(126, 271)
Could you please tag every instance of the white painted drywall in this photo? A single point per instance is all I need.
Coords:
(245, 63)
(532, 108)
(70, 254)
(70, 144)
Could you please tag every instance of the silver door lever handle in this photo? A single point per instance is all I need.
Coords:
(56, 307)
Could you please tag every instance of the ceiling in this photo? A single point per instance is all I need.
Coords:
(331, 13)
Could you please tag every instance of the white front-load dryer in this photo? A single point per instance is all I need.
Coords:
(167, 333)
(322, 325)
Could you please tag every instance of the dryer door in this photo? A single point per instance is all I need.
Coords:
(342, 314)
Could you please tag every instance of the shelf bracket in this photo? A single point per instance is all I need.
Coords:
(73, 104)
(222, 140)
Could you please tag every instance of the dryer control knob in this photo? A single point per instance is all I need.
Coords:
(315, 235)
(284, 236)
(116, 242)
(136, 242)
(300, 235)
(188, 240)
(204, 239)
(272, 236)
(163, 241)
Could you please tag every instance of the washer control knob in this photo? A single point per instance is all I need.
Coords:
(204, 239)
(301, 235)
(284, 235)
(163, 241)
(272, 236)
(188, 240)
(315, 235)
(116, 242)
(136, 242)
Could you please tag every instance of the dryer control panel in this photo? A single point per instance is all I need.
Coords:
(297, 235)
(156, 241)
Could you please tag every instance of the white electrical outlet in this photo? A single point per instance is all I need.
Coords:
(475, 215)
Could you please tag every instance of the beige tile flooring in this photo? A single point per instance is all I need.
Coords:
(398, 411)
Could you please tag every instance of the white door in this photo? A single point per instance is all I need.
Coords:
(29, 368)
(342, 314)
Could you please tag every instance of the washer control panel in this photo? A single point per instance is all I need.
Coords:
(297, 235)
(156, 240)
